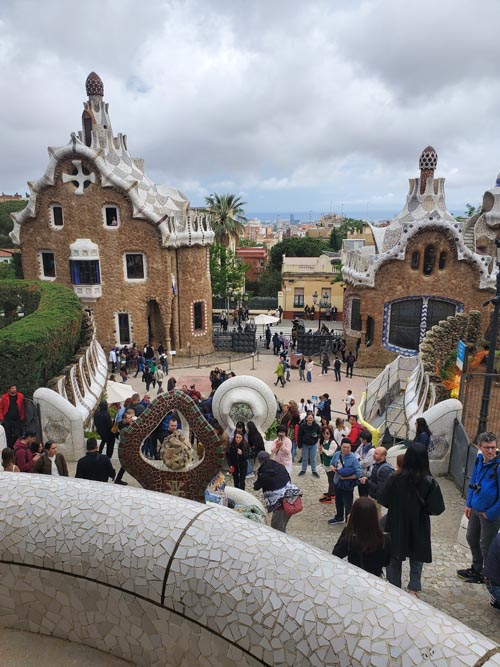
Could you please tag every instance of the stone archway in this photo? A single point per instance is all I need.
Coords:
(189, 483)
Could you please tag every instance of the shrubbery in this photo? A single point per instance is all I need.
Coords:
(38, 346)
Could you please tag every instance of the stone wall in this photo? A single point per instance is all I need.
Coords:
(459, 280)
(83, 219)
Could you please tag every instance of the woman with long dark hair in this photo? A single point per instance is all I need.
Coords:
(423, 433)
(237, 456)
(363, 540)
(411, 496)
(255, 440)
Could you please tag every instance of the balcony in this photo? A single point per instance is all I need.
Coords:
(88, 293)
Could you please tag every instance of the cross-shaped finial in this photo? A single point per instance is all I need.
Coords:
(80, 179)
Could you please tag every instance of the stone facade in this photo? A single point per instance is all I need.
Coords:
(148, 251)
(422, 272)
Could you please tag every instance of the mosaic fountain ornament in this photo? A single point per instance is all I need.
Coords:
(181, 479)
(244, 398)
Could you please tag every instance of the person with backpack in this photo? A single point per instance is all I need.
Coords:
(482, 506)
(337, 365)
(350, 361)
(347, 471)
(411, 497)
(94, 466)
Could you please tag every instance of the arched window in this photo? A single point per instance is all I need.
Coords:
(356, 315)
(415, 259)
(87, 128)
(429, 259)
(442, 260)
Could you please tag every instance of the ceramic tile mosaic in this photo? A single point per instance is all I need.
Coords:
(163, 581)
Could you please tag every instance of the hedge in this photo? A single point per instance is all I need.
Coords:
(37, 347)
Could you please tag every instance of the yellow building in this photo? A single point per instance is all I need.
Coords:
(308, 281)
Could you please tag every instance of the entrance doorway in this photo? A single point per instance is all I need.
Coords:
(156, 327)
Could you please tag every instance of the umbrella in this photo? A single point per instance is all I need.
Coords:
(266, 319)
(117, 392)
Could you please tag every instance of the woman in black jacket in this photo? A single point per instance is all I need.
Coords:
(237, 456)
(255, 440)
(411, 497)
(363, 540)
(103, 424)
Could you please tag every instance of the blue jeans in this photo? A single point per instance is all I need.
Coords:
(309, 453)
(494, 595)
(394, 573)
(294, 449)
(309, 376)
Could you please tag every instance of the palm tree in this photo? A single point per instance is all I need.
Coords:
(227, 217)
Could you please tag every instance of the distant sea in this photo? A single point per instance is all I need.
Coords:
(306, 216)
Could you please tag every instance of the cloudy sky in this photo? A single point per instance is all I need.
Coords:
(295, 105)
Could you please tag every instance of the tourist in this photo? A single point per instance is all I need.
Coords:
(347, 471)
(171, 384)
(309, 369)
(274, 480)
(325, 364)
(280, 374)
(363, 540)
(140, 364)
(482, 506)
(194, 393)
(94, 466)
(365, 454)
(423, 433)
(492, 572)
(355, 431)
(325, 407)
(255, 440)
(8, 460)
(282, 449)
(159, 376)
(411, 497)
(237, 455)
(112, 359)
(309, 432)
(291, 420)
(337, 365)
(52, 463)
(302, 368)
(349, 402)
(148, 377)
(276, 343)
(324, 423)
(23, 456)
(136, 405)
(103, 424)
(381, 470)
(341, 430)
(268, 336)
(12, 414)
(327, 449)
(350, 361)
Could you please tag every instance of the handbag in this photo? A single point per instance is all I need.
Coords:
(346, 484)
(114, 428)
(292, 505)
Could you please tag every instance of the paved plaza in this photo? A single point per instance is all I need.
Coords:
(441, 587)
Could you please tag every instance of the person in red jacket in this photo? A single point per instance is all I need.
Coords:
(23, 455)
(12, 414)
(354, 432)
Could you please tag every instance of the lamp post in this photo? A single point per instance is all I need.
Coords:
(315, 299)
(490, 363)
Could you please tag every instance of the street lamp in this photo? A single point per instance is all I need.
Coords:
(490, 363)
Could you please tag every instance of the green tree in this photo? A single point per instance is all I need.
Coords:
(470, 210)
(269, 283)
(6, 222)
(295, 247)
(336, 238)
(248, 243)
(226, 270)
(227, 217)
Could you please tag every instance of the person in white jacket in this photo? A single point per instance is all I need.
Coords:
(364, 454)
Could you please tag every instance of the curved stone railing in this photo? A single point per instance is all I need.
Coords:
(159, 580)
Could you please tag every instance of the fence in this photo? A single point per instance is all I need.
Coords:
(234, 341)
(473, 387)
(462, 457)
(254, 303)
(311, 344)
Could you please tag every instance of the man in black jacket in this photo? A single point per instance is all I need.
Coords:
(103, 425)
(309, 432)
(94, 466)
(381, 470)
